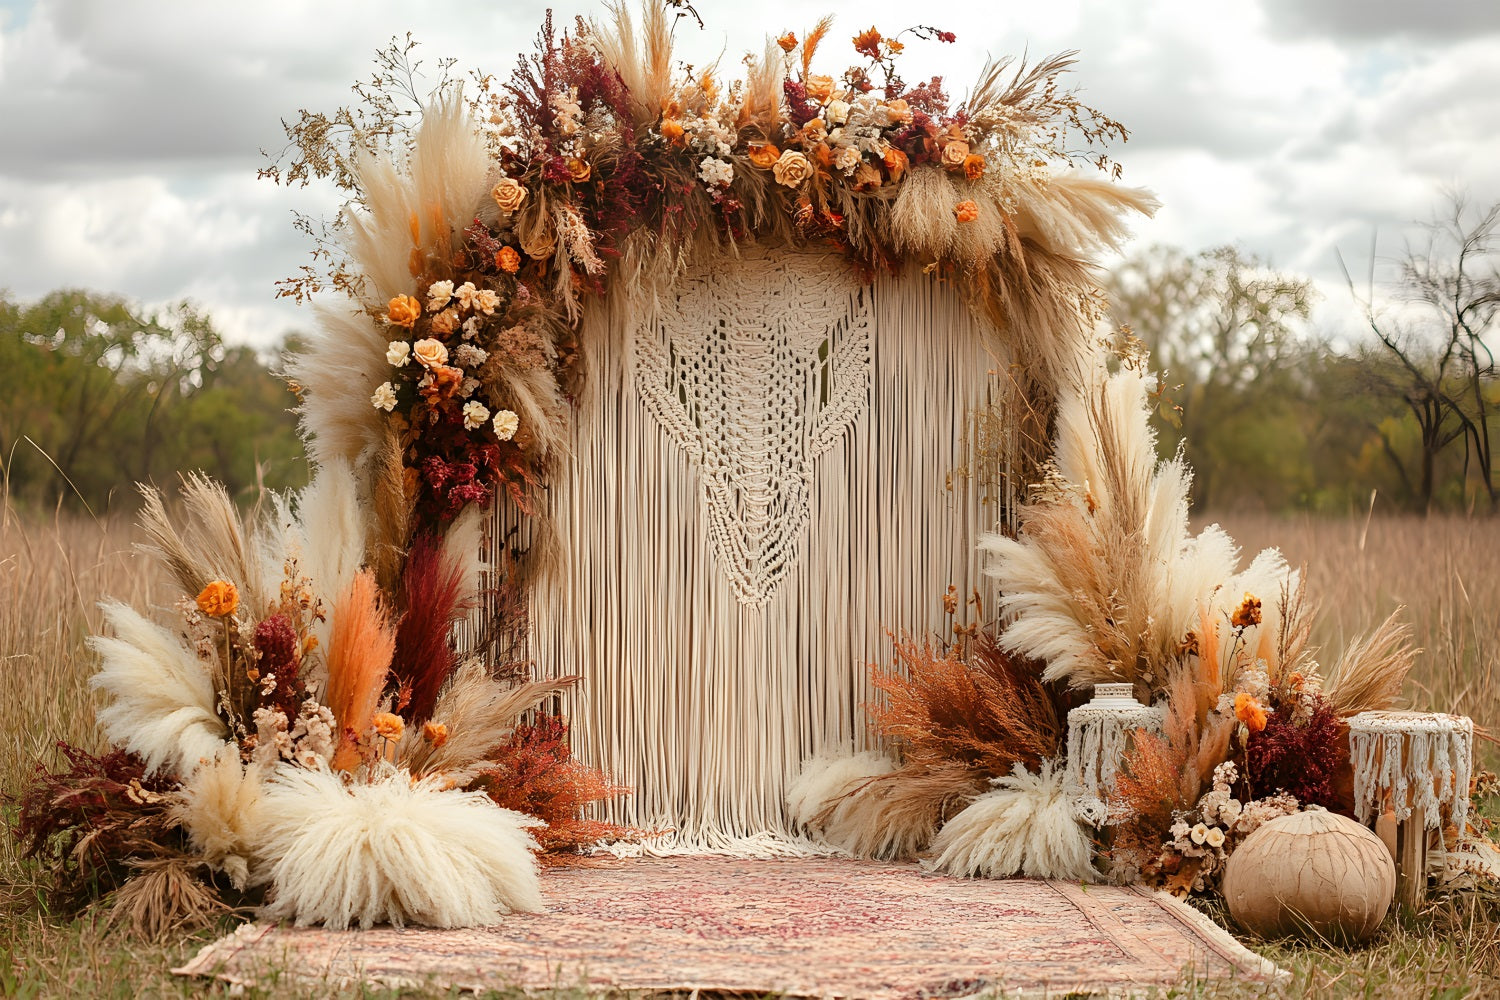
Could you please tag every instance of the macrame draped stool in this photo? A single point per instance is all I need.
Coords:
(1099, 735)
(1416, 766)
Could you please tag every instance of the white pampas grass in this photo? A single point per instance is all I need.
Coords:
(161, 697)
(394, 850)
(826, 778)
(212, 544)
(424, 205)
(1025, 826)
(326, 535)
(1078, 213)
(219, 806)
(342, 364)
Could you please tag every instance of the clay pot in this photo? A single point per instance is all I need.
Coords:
(1312, 873)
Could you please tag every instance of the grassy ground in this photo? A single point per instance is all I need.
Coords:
(53, 570)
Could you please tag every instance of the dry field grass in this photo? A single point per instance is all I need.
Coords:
(53, 571)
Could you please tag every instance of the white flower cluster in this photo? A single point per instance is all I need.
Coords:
(706, 135)
(1208, 835)
(308, 742)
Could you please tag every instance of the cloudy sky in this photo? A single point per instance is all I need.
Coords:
(130, 132)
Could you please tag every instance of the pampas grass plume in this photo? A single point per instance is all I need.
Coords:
(1025, 826)
(393, 851)
(161, 697)
(827, 778)
(359, 658)
(220, 808)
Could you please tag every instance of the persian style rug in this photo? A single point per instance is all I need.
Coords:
(801, 927)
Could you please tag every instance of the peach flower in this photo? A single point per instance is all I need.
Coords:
(508, 194)
(966, 211)
(764, 155)
(579, 170)
(973, 166)
(955, 153)
(1250, 712)
(389, 726)
(430, 353)
(819, 88)
(791, 169)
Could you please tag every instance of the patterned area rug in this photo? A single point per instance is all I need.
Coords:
(806, 927)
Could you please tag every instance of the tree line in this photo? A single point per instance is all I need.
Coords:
(99, 395)
(1275, 415)
(1272, 414)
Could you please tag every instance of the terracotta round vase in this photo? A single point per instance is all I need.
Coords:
(1312, 873)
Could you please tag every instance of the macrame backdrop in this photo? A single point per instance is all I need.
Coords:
(771, 467)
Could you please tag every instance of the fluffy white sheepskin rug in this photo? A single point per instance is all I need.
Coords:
(392, 851)
(1025, 826)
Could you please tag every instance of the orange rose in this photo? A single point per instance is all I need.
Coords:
(508, 260)
(1250, 712)
(508, 194)
(219, 599)
(966, 211)
(866, 177)
(435, 733)
(819, 88)
(898, 111)
(896, 162)
(764, 155)
(579, 170)
(403, 310)
(955, 153)
(1248, 613)
(788, 42)
(973, 166)
(389, 726)
(671, 130)
(441, 381)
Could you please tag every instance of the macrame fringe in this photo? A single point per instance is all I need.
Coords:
(1422, 762)
(702, 703)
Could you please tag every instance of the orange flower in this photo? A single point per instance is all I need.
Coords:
(894, 46)
(898, 111)
(764, 155)
(866, 177)
(966, 211)
(442, 380)
(1250, 712)
(788, 41)
(219, 599)
(579, 170)
(1248, 613)
(973, 166)
(508, 260)
(954, 154)
(819, 88)
(867, 43)
(435, 733)
(403, 310)
(671, 130)
(389, 726)
(896, 162)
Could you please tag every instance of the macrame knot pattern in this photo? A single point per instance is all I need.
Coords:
(756, 365)
(1412, 760)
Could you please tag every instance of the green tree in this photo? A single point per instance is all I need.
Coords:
(1231, 332)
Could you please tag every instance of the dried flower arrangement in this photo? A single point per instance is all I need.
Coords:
(290, 733)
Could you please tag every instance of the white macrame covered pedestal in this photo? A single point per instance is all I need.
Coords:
(767, 475)
(1418, 765)
(1098, 736)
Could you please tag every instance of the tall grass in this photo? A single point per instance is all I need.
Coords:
(54, 569)
(1445, 571)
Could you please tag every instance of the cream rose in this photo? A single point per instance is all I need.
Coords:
(398, 353)
(1215, 837)
(506, 424)
(475, 414)
(508, 194)
(430, 353)
(439, 293)
(384, 398)
(792, 169)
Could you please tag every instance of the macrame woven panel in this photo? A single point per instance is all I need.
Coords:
(756, 370)
(1097, 741)
(701, 700)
